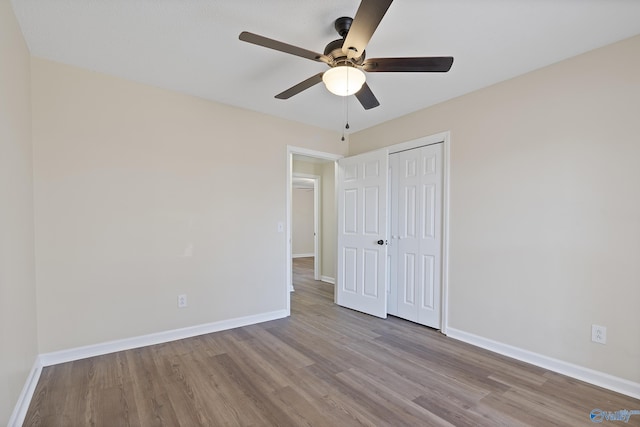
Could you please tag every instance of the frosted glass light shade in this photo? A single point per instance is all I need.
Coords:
(343, 80)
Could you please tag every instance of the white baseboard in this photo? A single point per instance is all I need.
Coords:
(328, 279)
(22, 406)
(591, 376)
(63, 356)
(303, 255)
(69, 355)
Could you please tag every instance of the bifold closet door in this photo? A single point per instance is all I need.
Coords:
(416, 239)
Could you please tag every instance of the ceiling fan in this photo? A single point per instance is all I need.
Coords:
(346, 56)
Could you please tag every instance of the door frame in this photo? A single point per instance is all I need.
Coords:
(317, 250)
(291, 150)
(445, 139)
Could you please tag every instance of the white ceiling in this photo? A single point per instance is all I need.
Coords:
(192, 46)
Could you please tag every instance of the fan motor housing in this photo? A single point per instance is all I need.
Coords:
(334, 49)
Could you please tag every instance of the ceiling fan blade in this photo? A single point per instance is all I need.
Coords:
(364, 24)
(282, 47)
(306, 84)
(433, 64)
(367, 98)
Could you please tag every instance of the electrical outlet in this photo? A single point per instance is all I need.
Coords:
(599, 334)
(182, 301)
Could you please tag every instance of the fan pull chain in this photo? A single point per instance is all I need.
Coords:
(346, 104)
(347, 120)
(346, 108)
(343, 107)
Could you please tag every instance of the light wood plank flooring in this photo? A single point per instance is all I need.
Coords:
(323, 366)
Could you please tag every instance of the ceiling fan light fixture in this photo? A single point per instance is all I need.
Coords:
(343, 80)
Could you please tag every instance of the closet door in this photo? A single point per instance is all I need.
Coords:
(362, 233)
(417, 240)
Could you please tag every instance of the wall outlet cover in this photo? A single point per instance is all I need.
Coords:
(599, 334)
(182, 301)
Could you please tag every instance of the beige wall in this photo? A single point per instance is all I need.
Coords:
(545, 207)
(308, 168)
(302, 222)
(142, 194)
(329, 225)
(18, 334)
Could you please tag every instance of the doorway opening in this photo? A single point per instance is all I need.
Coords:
(306, 217)
(320, 169)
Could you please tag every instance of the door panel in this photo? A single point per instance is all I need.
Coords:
(370, 272)
(350, 211)
(409, 279)
(371, 211)
(409, 219)
(362, 222)
(429, 218)
(428, 294)
(416, 239)
(349, 276)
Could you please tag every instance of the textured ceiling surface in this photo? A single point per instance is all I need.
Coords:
(192, 46)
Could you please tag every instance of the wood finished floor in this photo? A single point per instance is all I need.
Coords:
(323, 366)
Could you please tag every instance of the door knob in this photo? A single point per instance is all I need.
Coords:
(380, 242)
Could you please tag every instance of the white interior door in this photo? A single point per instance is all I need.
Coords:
(416, 235)
(362, 233)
